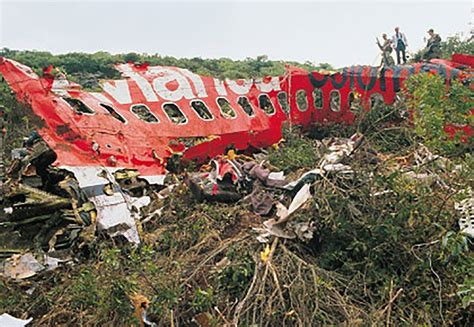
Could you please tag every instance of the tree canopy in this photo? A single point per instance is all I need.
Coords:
(101, 63)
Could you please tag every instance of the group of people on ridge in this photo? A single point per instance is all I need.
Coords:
(399, 43)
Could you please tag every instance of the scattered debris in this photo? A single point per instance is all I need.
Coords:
(62, 206)
(466, 210)
(338, 150)
(118, 196)
(45, 204)
(26, 265)
(277, 227)
(231, 178)
(10, 321)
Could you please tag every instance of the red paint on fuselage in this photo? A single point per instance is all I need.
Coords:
(100, 139)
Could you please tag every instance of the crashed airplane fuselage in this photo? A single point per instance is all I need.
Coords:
(155, 112)
(140, 121)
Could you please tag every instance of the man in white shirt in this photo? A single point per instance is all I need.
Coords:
(400, 43)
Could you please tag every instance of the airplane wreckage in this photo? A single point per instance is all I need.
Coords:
(94, 155)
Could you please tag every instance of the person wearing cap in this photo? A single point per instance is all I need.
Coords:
(400, 43)
(433, 46)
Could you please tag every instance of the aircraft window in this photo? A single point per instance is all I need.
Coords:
(113, 113)
(283, 101)
(246, 106)
(351, 102)
(318, 98)
(174, 114)
(201, 109)
(79, 106)
(226, 108)
(144, 113)
(266, 104)
(376, 100)
(301, 100)
(335, 101)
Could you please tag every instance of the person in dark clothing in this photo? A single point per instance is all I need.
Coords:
(400, 44)
(433, 46)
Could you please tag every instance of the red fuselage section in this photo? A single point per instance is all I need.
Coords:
(141, 120)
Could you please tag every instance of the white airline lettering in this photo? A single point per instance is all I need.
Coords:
(197, 82)
(120, 91)
(161, 77)
(238, 88)
(167, 76)
(144, 86)
(220, 88)
(100, 97)
(273, 85)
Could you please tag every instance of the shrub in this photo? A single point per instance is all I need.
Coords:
(437, 107)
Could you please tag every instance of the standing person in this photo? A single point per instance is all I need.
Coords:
(433, 46)
(386, 48)
(400, 43)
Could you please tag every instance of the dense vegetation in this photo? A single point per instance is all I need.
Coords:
(101, 63)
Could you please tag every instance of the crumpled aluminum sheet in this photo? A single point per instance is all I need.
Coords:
(466, 209)
(22, 266)
(7, 320)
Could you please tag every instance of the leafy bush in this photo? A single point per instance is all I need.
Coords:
(452, 44)
(295, 153)
(436, 106)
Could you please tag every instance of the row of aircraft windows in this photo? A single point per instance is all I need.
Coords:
(176, 116)
(376, 99)
(318, 100)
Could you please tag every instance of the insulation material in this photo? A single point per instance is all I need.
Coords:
(466, 210)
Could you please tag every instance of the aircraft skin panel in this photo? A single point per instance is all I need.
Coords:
(100, 128)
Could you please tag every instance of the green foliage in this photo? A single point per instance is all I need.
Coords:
(17, 122)
(466, 292)
(435, 106)
(93, 290)
(84, 290)
(296, 152)
(203, 300)
(235, 278)
(452, 44)
(401, 236)
(200, 256)
(83, 66)
(387, 127)
(455, 44)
